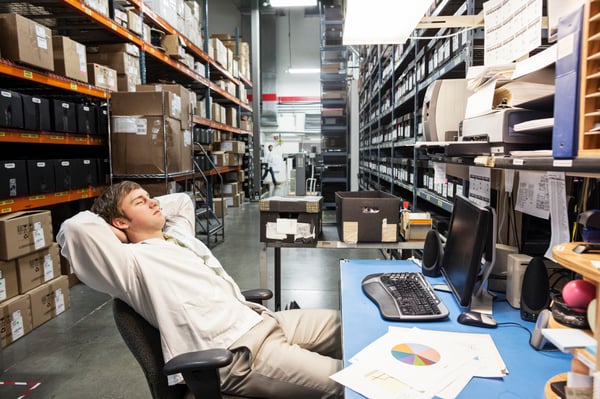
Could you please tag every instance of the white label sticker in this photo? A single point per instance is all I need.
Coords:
(16, 325)
(59, 301)
(38, 236)
(48, 268)
(2, 289)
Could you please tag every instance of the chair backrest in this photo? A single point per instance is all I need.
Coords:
(143, 340)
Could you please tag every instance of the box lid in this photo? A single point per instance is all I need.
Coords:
(308, 204)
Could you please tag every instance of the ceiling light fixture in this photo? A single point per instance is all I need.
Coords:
(381, 21)
(293, 3)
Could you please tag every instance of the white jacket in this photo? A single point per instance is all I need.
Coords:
(183, 291)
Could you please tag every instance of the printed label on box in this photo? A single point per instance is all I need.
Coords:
(38, 236)
(16, 325)
(2, 289)
(59, 301)
(48, 268)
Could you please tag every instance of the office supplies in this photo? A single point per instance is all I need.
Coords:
(568, 338)
(415, 225)
(404, 296)
(497, 128)
(565, 135)
(477, 319)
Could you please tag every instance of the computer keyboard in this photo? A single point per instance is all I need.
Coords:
(404, 296)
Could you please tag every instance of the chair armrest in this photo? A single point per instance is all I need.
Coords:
(258, 295)
(197, 361)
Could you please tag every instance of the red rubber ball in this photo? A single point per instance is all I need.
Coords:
(577, 294)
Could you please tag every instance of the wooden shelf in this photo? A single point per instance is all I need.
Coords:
(43, 200)
(33, 137)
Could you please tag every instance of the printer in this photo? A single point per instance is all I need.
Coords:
(509, 129)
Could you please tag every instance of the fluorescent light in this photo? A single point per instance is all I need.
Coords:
(293, 3)
(304, 70)
(382, 21)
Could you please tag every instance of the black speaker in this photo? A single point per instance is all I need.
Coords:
(535, 291)
(432, 254)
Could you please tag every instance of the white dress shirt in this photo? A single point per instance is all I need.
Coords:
(177, 285)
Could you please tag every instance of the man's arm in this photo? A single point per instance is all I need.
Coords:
(99, 259)
(179, 211)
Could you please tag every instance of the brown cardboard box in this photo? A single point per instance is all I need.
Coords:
(26, 41)
(220, 158)
(128, 48)
(66, 270)
(231, 116)
(173, 46)
(367, 216)
(220, 207)
(237, 147)
(127, 82)
(15, 319)
(121, 61)
(9, 286)
(70, 58)
(139, 145)
(24, 232)
(184, 97)
(302, 212)
(102, 76)
(49, 300)
(38, 267)
(134, 22)
(149, 103)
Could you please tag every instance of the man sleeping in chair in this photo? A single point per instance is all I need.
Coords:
(144, 251)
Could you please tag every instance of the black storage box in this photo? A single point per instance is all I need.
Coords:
(102, 121)
(36, 113)
(103, 169)
(62, 174)
(13, 179)
(83, 173)
(64, 116)
(367, 216)
(86, 119)
(300, 219)
(11, 109)
(40, 175)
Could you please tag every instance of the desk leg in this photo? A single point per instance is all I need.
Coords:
(277, 278)
(263, 272)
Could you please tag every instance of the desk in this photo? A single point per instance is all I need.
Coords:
(329, 240)
(528, 369)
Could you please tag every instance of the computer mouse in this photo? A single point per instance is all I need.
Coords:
(472, 318)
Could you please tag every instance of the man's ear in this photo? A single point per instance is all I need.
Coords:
(120, 223)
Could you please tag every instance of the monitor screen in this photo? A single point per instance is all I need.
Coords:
(465, 244)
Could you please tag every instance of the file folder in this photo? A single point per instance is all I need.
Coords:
(565, 134)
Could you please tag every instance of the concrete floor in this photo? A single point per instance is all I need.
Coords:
(80, 354)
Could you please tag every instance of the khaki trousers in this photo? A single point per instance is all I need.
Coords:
(290, 354)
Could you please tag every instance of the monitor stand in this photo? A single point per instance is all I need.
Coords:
(482, 302)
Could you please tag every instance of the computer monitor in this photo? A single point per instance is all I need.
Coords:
(466, 241)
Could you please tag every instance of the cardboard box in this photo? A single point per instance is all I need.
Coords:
(291, 219)
(121, 61)
(138, 144)
(26, 41)
(49, 300)
(236, 147)
(102, 76)
(220, 207)
(70, 59)
(24, 232)
(37, 268)
(367, 216)
(174, 46)
(146, 103)
(184, 95)
(15, 319)
(40, 176)
(13, 179)
(9, 285)
(128, 48)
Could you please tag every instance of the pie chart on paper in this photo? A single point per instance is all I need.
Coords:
(415, 354)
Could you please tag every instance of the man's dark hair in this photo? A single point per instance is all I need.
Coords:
(108, 204)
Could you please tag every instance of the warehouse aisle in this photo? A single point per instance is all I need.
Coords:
(80, 354)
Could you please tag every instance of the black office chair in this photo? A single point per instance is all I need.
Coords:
(200, 369)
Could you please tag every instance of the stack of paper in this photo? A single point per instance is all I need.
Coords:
(417, 364)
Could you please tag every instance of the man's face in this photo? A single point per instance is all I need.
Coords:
(142, 213)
